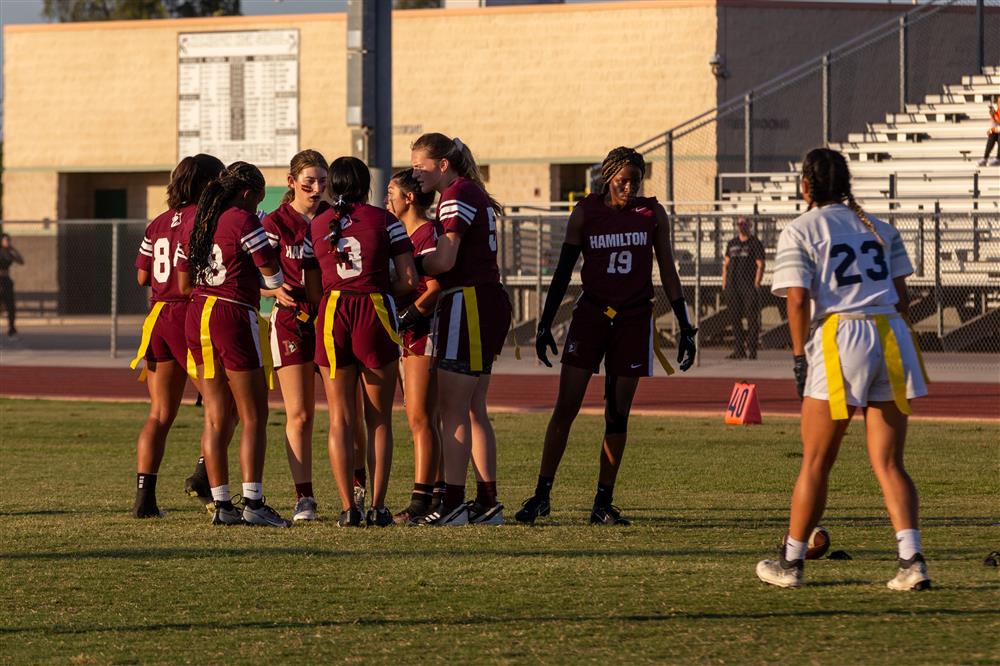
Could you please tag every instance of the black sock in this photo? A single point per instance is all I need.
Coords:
(454, 496)
(422, 495)
(544, 486)
(145, 485)
(199, 469)
(439, 487)
(605, 493)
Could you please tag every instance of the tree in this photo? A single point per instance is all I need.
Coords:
(68, 11)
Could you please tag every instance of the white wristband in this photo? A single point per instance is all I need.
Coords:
(274, 281)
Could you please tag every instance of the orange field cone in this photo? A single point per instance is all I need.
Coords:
(743, 407)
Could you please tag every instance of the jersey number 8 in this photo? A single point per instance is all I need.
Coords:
(161, 260)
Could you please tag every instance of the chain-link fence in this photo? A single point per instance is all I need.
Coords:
(78, 280)
(954, 291)
(741, 151)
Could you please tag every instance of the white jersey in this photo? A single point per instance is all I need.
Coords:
(830, 252)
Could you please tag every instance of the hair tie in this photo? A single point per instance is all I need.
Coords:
(339, 203)
(458, 144)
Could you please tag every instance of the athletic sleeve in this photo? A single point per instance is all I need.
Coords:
(456, 215)
(144, 260)
(899, 260)
(254, 241)
(399, 240)
(794, 265)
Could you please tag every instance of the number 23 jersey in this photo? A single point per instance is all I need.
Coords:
(830, 252)
(618, 250)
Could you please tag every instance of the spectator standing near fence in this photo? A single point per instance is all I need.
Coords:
(992, 135)
(742, 271)
(8, 256)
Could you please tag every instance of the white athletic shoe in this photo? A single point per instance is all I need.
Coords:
(305, 509)
(480, 515)
(264, 516)
(454, 518)
(359, 498)
(912, 575)
(994, 162)
(780, 572)
(981, 163)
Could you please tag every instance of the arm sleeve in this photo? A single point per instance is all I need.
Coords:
(899, 260)
(399, 240)
(456, 215)
(254, 241)
(560, 281)
(794, 265)
(144, 260)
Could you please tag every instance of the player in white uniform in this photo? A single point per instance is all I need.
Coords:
(859, 353)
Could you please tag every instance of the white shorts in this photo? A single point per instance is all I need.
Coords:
(862, 362)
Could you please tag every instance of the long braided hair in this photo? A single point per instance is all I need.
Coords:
(830, 182)
(216, 198)
(190, 177)
(408, 184)
(618, 159)
(348, 185)
(438, 147)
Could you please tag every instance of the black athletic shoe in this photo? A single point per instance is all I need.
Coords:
(411, 514)
(532, 508)
(145, 507)
(379, 518)
(197, 487)
(436, 500)
(350, 518)
(608, 515)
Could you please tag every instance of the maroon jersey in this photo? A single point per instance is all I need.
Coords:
(288, 232)
(240, 247)
(424, 240)
(618, 250)
(162, 246)
(369, 238)
(465, 209)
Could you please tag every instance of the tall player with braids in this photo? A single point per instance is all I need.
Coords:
(472, 320)
(407, 202)
(228, 257)
(163, 346)
(356, 327)
(293, 331)
(850, 269)
(618, 233)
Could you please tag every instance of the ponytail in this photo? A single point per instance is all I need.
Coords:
(348, 184)
(439, 147)
(830, 182)
(216, 196)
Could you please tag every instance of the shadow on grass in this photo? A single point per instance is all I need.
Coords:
(603, 619)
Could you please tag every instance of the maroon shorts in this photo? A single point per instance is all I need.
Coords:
(234, 333)
(417, 340)
(166, 342)
(451, 329)
(293, 335)
(357, 334)
(625, 342)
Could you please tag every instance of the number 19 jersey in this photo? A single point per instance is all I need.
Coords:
(830, 252)
(618, 250)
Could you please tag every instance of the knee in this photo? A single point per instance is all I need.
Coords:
(563, 414)
(162, 416)
(419, 420)
(300, 420)
(615, 422)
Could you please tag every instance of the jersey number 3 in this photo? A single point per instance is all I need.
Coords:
(879, 271)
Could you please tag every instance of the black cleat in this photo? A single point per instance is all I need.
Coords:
(379, 517)
(350, 518)
(532, 508)
(145, 507)
(411, 514)
(608, 515)
(197, 487)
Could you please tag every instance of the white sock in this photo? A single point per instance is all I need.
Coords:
(794, 549)
(253, 491)
(221, 493)
(908, 543)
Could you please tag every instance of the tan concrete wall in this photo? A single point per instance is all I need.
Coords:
(30, 195)
(522, 85)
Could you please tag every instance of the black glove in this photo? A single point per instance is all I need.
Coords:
(801, 369)
(410, 318)
(544, 339)
(686, 348)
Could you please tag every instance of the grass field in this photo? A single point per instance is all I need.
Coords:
(81, 582)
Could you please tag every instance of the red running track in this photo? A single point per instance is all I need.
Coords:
(678, 395)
